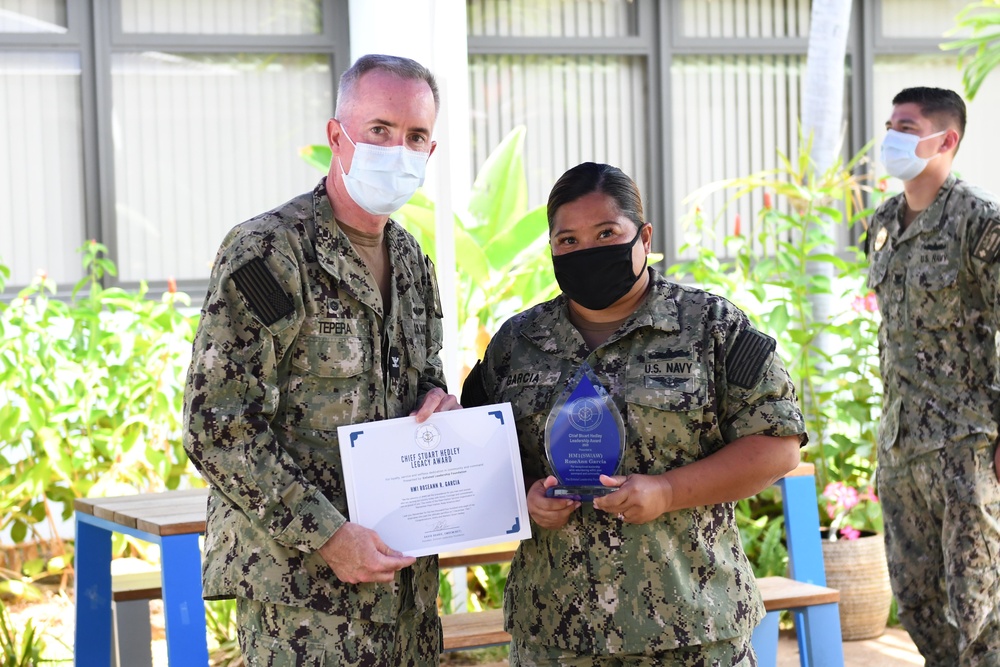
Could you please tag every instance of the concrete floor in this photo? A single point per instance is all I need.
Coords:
(893, 649)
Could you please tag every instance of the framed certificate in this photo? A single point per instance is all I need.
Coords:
(450, 483)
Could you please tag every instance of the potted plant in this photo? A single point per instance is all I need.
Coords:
(854, 559)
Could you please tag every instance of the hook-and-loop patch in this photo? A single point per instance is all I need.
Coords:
(745, 361)
(263, 293)
(988, 246)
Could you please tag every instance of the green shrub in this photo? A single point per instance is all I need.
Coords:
(90, 395)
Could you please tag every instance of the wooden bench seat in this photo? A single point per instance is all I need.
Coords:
(464, 632)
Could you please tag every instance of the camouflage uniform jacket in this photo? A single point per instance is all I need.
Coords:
(292, 343)
(938, 288)
(598, 586)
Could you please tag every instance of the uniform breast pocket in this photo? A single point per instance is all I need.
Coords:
(878, 269)
(329, 384)
(413, 363)
(415, 332)
(934, 300)
(670, 421)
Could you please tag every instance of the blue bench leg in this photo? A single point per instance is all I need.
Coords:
(93, 596)
(765, 640)
(818, 630)
(805, 551)
(183, 605)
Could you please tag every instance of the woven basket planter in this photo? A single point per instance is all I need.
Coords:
(857, 568)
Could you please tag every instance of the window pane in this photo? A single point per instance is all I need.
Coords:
(203, 142)
(33, 16)
(919, 18)
(231, 17)
(976, 158)
(551, 18)
(731, 116)
(41, 166)
(595, 108)
(745, 18)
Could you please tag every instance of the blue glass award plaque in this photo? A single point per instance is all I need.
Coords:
(584, 438)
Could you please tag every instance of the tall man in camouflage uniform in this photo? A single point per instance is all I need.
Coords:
(934, 254)
(319, 313)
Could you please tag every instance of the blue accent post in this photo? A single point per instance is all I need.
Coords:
(93, 595)
(183, 606)
(818, 630)
(765, 639)
(817, 627)
(805, 554)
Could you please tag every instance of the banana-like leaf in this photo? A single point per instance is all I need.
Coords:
(500, 193)
(318, 156)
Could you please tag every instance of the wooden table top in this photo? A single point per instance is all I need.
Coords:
(184, 512)
(167, 513)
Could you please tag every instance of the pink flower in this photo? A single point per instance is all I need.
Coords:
(850, 533)
(867, 303)
(736, 225)
(871, 302)
(841, 496)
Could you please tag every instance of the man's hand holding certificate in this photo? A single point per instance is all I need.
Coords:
(449, 483)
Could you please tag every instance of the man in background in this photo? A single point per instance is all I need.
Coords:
(934, 254)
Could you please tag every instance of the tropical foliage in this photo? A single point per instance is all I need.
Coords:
(775, 274)
(979, 52)
(90, 399)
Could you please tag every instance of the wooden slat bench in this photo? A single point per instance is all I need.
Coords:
(463, 632)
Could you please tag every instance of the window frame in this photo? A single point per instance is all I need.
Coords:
(94, 32)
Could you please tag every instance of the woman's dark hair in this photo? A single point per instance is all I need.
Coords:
(589, 177)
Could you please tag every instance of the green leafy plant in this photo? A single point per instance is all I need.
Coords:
(220, 619)
(20, 647)
(772, 275)
(979, 53)
(486, 585)
(90, 396)
(761, 527)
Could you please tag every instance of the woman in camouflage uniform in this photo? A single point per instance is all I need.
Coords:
(653, 573)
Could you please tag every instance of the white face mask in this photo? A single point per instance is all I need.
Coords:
(383, 178)
(899, 154)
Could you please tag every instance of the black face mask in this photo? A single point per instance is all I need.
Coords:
(597, 277)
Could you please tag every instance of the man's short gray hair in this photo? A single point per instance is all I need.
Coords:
(404, 68)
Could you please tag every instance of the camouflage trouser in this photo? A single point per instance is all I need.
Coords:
(729, 653)
(942, 536)
(274, 635)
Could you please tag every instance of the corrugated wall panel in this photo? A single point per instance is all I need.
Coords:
(731, 113)
(196, 152)
(230, 17)
(549, 18)
(41, 158)
(576, 109)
